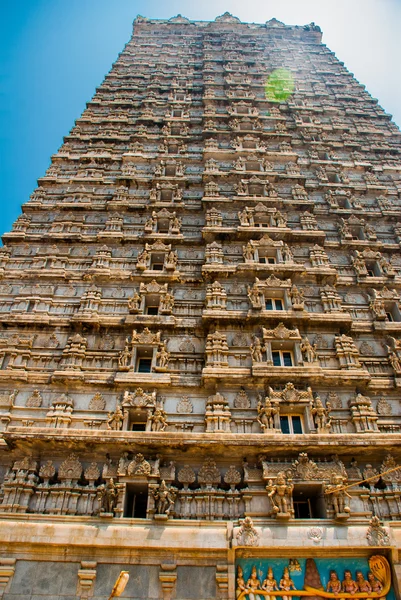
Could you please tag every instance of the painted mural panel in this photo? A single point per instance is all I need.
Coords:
(315, 578)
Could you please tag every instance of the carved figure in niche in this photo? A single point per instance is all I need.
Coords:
(266, 414)
(349, 585)
(287, 254)
(297, 298)
(248, 252)
(241, 585)
(151, 223)
(164, 497)
(166, 303)
(115, 420)
(253, 584)
(134, 302)
(270, 584)
(125, 355)
(359, 264)
(172, 259)
(157, 420)
(280, 494)
(255, 296)
(321, 415)
(123, 464)
(286, 583)
(308, 351)
(256, 350)
(107, 497)
(245, 217)
(394, 362)
(337, 496)
(163, 357)
(334, 584)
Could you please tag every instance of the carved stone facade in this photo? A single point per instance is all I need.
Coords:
(201, 319)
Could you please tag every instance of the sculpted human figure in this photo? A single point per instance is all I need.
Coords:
(107, 496)
(253, 584)
(286, 583)
(256, 350)
(280, 494)
(164, 498)
(362, 583)
(115, 420)
(321, 415)
(266, 414)
(241, 585)
(349, 585)
(374, 583)
(308, 350)
(334, 584)
(270, 584)
(337, 495)
(134, 302)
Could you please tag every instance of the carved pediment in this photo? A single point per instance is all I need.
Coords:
(272, 282)
(146, 337)
(291, 395)
(158, 246)
(139, 399)
(370, 254)
(281, 332)
(227, 18)
(153, 288)
(179, 19)
(139, 466)
(209, 474)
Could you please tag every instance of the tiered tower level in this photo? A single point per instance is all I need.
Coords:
(200, 343)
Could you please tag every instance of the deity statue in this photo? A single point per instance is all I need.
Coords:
(157, 420)
(241, 585)
(286, 583)
(163, 357)
(107, 497)
(266, 413)
(115, 420)
(308, 350)
(321, 416)
(134, 302)
(362, 583)
(334, 584)
(256, 350)
(336, 495)
(374, 583)
(270, 584)
(348, 584)
(164, 497)
(253, 584)
(125, 355)
(280, 494)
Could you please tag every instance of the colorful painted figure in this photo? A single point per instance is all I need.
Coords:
(253, 584)
(241, 586)
(270, 584)
(334, 584)
(349, 584)
(286, 583)
(375, 584)
(362, 583)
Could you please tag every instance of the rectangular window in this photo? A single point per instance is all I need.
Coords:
(144, 365)
(267, 260)
(282, 358)
(291, 424)
(274, 304)
(152, 310)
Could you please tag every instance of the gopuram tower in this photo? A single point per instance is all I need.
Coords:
(200, 370)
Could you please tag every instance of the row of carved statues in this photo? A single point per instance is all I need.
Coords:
(203, 493)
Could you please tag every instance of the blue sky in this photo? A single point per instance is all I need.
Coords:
(55, 53)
